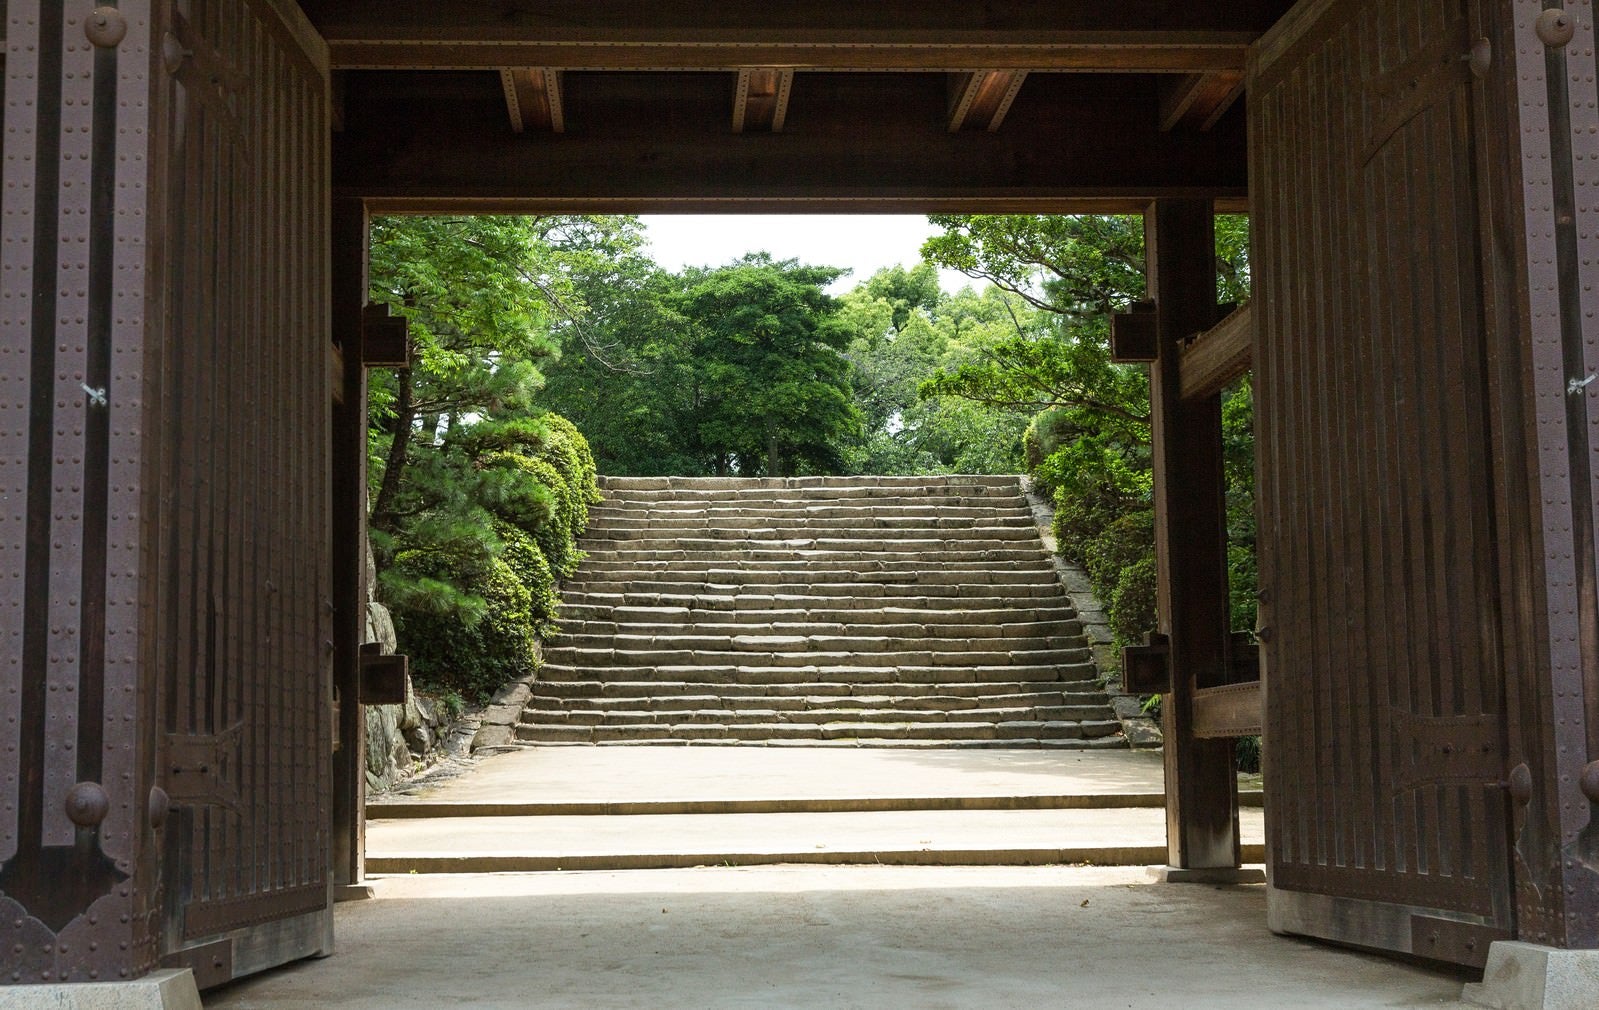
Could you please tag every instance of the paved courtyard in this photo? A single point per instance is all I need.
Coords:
(892, 937)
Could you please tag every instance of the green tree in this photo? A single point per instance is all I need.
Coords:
(1089, 443)
(463, 455)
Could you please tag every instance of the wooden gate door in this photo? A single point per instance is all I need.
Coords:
(242, 619)
(1381, 614)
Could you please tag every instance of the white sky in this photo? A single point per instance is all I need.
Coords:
(863, 243)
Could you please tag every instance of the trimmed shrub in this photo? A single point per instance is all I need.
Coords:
(1131, 607)
(470, 650)
(528, 564)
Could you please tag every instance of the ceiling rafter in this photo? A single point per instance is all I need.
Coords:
(760, 98)
(533, 99)
(979, 100)
(1198, 101)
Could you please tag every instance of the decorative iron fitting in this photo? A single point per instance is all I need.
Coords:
(1521, 784)
(157, 808)
(200, 768)
(105, 27)
(87, 804)
(1589, 781)
(1555, 28)
(1448, 750)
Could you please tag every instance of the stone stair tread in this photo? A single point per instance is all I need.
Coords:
(818, 611)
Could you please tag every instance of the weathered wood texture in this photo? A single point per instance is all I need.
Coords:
(858, 141)
(1163, 35)
(75, 685)
(1381, 615)
(351, 236)
(1190, 538)
(1214, 359)
(237, 593)
(1539, 171)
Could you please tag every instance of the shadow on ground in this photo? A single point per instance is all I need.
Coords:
(828, 937)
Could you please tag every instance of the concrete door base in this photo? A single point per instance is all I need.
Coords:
(1208, 875)
(168, 989)
(1525, 976)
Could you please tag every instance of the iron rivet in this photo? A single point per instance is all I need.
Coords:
(106, 27)
(1555, 28)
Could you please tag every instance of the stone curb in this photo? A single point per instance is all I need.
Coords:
(1141, 731)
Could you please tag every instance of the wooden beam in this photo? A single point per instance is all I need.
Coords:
(1228, 712)
(1210, 361)
(1190, 540)
(979, 100)
(533, 99)
(760, 98)
(1134, 335)
(1198, 101)
(866, 142)
(938, 35)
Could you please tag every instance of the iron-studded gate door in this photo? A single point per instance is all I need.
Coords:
(1387, 819)
(241, 617)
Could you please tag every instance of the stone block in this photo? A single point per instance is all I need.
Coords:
(1526, 976)
(168, 989)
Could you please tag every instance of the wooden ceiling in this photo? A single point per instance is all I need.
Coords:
(807, 105)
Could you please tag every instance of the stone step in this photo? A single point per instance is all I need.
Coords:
(825, 548)
(905, 628)
(941, 599)
(757, 732)
(758, 526)
(633, 485)
(574, 612)
(709, 595)
(792, 566)
(755, 713)
(641, 577)
(705, 697)
(953, 497)
(806, 639)
(956, 694)
(799, 650)
(619, 510)
(765, 672)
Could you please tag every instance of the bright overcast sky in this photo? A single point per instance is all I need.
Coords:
(863, 243)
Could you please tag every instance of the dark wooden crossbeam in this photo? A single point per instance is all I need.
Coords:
(954, 35)
(851, 141)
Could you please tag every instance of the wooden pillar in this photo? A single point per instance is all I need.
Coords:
(1190, 538)
(349, 282)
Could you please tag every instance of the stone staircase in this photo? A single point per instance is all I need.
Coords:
(871, 611)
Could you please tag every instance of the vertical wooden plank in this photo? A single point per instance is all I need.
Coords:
(1190, 537)
(349, 293)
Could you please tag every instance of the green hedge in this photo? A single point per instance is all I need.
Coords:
(470, 626)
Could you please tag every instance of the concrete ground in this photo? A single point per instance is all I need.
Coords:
(599, 808)
(893, 937)
(688, 779)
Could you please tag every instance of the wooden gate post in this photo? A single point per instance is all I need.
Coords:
(349, 283)
(1190, 538)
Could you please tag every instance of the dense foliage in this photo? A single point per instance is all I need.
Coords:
(729, 370)
(479, 492)
(1088, 445)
